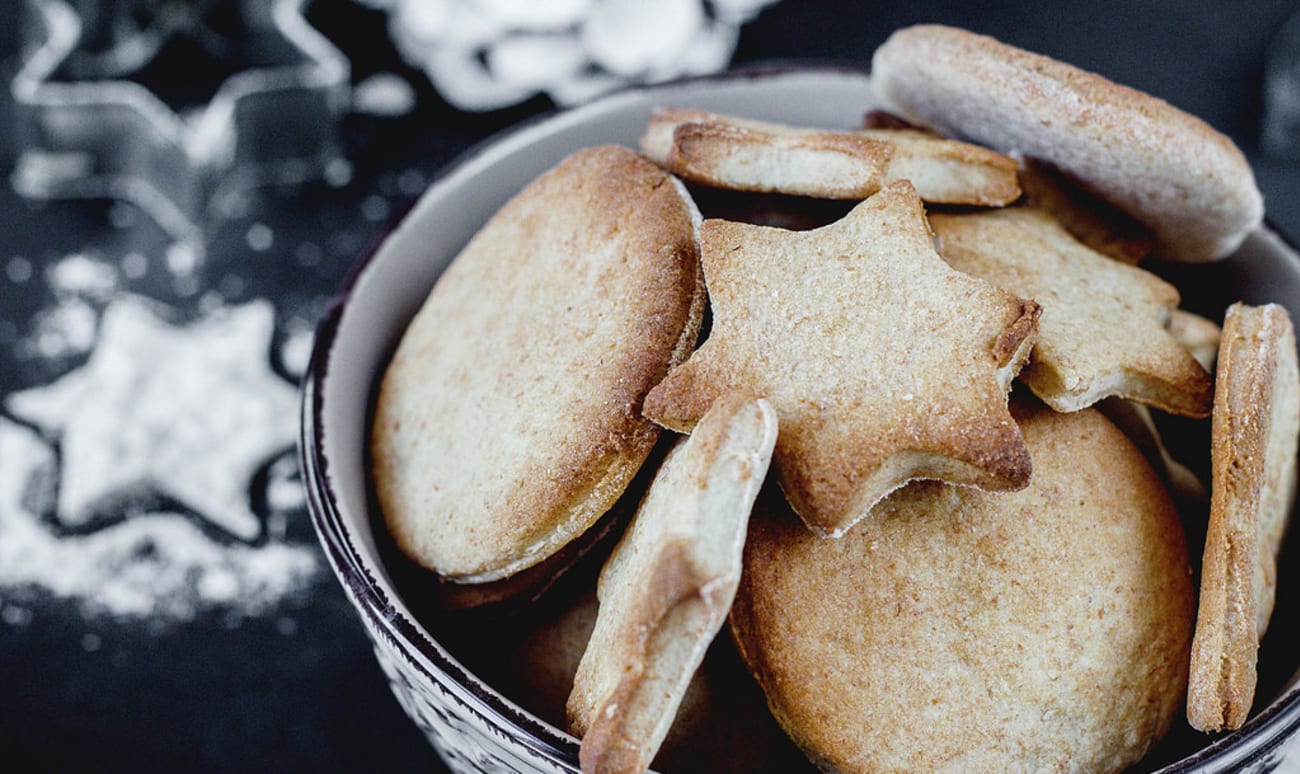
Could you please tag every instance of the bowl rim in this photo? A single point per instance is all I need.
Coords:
(1262, 733)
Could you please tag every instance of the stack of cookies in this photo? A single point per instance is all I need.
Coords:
(915, 465)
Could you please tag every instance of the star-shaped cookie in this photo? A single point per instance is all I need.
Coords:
(189, 412)
(1104, 326)
(883, 364)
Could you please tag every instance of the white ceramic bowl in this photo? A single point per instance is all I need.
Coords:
(473, 726)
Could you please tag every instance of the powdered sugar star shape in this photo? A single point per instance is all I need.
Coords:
(159, 566)
(189, 412)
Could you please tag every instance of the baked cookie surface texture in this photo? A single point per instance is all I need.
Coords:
(1252, 490)
(958, 630)
(509, 419)
(883, 363)
(1103, 331)
(666, 589)
(748, 155)
(1169, 170)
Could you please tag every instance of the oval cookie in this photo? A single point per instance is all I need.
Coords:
(509, 419)
(1171, 171)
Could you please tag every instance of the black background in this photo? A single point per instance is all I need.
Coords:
(215, 695)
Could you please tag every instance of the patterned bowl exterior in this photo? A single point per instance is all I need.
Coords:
(474, 728)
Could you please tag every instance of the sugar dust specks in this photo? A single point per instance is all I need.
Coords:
(259, 237)
(83, 275)
(386, 95)
(16, 615)
(18, 270)
(135, 265)
(190, 412)
(338, 173)
(308, 255)
(297, 346)
(67, 327)
(122, 215)
(158, 565)
(63, 330)
(182, 261)
(374, 208)
(411, 182)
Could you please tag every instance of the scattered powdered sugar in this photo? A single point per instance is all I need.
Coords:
(386, 95)
(67, 328)
(295, 352)
(181, 259)
(18, 269)
(82, 275)
(126, 485)
(62, 330)
(284, 493)
(190, 412)
(158, 565)
(135, 265)
(259, 237)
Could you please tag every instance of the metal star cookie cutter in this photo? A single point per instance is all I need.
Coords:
(89, 123)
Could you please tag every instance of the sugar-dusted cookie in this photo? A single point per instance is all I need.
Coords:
(1102, 331)
(752, 155)
(509, 419)
(959, 630)
(666, 589)
(883, 363)
(1252, 489)
(1171, 171)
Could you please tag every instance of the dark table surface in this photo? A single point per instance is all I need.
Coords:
(295, 687)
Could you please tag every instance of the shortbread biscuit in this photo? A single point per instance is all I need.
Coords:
(1102, 332)
(509, 419)
(666, 589)
(1093, 222)
(1171, 171)
(749, 155)
(1252, 490)
(959, 630)
(883, 363)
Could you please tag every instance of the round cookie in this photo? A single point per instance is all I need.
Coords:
(509, 419)
(1171, 171)
(1046, 629)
